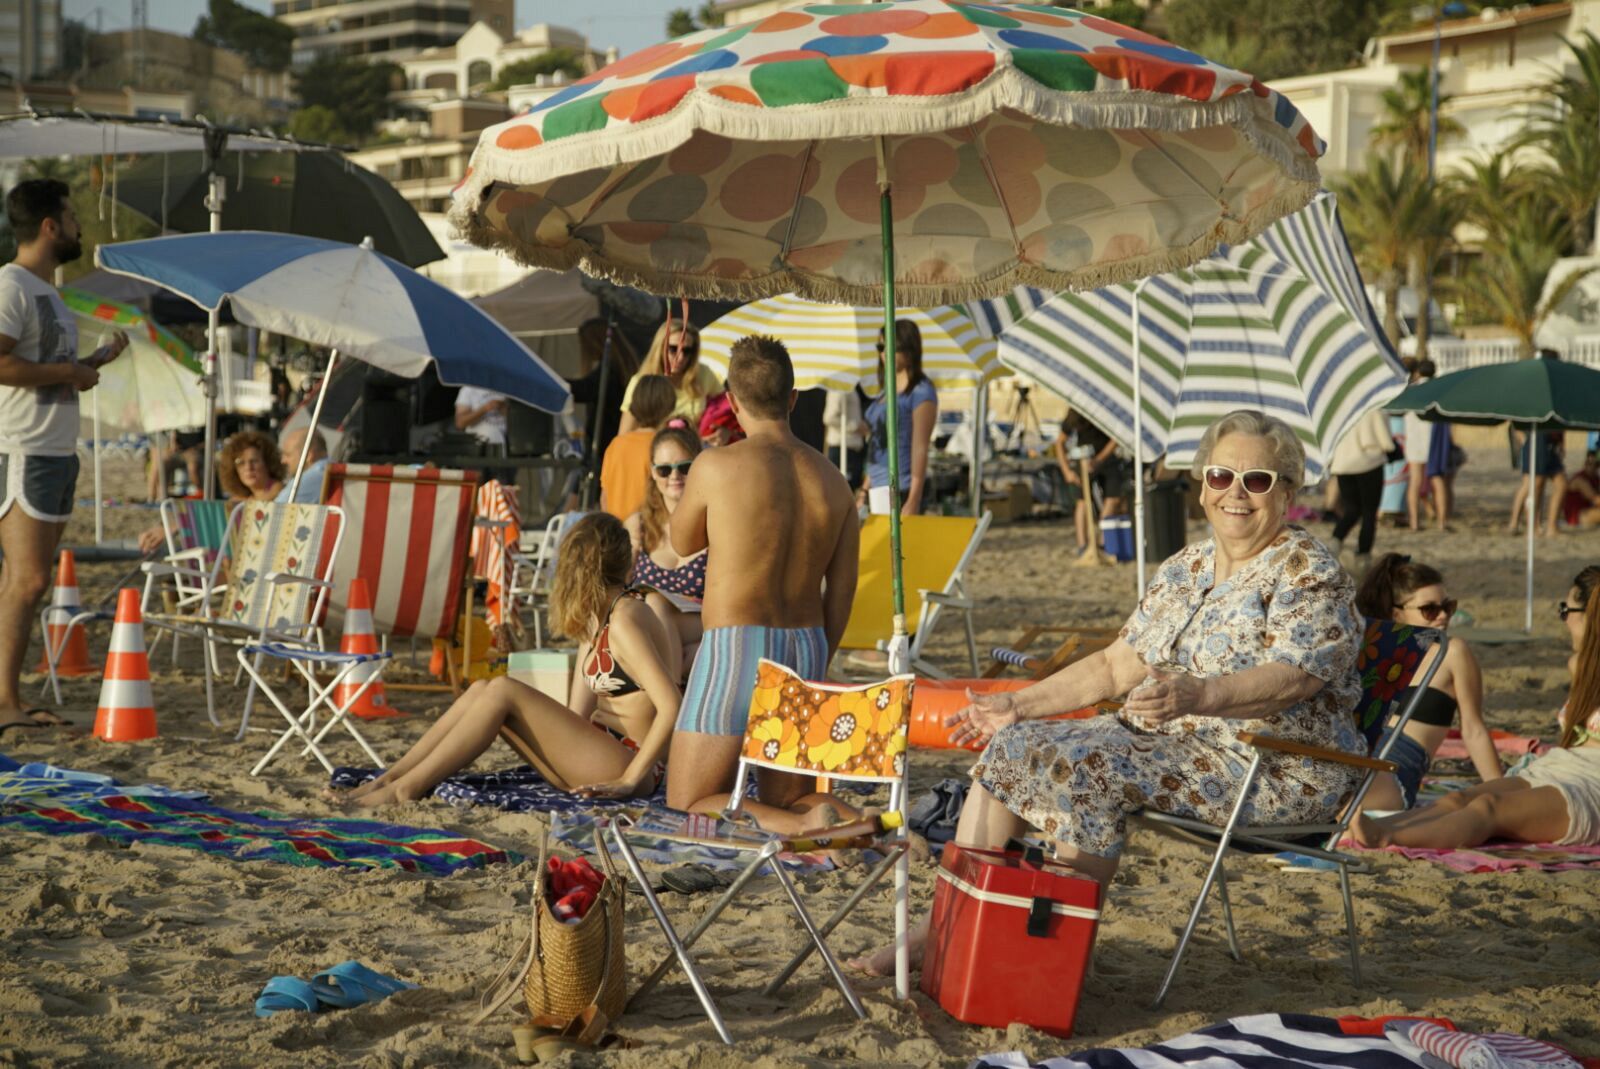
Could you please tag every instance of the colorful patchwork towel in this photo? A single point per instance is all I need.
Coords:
(61, 801)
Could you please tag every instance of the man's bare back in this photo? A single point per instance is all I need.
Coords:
(774, 512)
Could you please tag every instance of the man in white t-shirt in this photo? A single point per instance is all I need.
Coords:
(40, 379)
(482, 413)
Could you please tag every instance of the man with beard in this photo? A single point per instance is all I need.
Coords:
(40, 379)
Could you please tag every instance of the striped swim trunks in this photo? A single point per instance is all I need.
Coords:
(716, 700)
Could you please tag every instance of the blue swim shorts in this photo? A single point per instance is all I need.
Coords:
(1411, 764)
(716, 700)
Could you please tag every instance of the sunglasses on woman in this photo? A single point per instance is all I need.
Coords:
(664, 471)
(1434, 609)
(1564, 610)
(1256, 481)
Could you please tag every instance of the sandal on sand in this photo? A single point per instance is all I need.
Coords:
(695, 879)
(351, 983)
(286, 993)
(586, 1031)
(38, 717)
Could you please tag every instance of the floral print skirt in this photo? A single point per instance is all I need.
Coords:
(1077, 780)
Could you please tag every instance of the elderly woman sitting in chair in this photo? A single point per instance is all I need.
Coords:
(1253, 629)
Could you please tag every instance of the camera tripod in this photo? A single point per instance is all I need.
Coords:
(1022, 418)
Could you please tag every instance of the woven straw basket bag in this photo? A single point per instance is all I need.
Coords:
(563, 969)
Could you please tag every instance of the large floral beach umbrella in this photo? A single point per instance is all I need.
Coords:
(834, 346)
(923, 151)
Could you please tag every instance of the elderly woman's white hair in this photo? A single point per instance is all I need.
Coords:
(1289, 456)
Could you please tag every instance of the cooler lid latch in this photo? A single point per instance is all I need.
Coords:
(1039, 917)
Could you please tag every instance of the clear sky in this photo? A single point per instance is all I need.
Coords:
(628, 24)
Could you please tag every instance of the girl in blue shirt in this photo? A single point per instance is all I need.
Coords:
(917, 414)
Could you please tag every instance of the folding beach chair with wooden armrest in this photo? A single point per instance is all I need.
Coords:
(408, 537)
(810, 729)
(1079, 643)
(1390, 654)
(275, 590)
(939, 552)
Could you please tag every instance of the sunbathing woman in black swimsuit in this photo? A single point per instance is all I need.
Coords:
(1398, 589)
(612, 736)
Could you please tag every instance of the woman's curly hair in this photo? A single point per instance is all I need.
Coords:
(238, 443)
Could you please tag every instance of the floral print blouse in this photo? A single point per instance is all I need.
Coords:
(1292, 604)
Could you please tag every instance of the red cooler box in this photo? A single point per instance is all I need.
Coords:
(1011, 939)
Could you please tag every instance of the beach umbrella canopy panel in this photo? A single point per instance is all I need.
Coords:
(1024, 145)
(313, 194)
(153, 386)
(1280, 323)
(345, 297)
(834, 346)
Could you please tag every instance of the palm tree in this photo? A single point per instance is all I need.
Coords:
(1385, 209)
(1510, 278)
(1565, 127)
(1407, 108)
(1487, 191)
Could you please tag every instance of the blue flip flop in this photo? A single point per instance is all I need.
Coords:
(351, 983)
(286, 993)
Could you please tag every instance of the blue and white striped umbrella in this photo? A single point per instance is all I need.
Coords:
(1280, 323)
(345, 297)
(996, 315)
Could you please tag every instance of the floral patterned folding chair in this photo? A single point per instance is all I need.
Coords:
(811, 729)
(1387, 663)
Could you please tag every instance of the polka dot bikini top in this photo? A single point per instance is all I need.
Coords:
(687, 580)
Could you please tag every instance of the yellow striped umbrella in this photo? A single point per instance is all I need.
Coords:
(834, 345)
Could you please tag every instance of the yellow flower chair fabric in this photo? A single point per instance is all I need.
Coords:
(824, 731)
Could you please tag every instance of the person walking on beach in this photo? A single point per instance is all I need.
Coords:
(1357, 467)
(781, 527)
(40, 379)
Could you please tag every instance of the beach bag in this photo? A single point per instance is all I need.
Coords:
(568, 971)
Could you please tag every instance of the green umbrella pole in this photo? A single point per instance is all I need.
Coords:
(891, 412)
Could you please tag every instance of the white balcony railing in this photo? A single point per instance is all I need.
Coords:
(1457, 354)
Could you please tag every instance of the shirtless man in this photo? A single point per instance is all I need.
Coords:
(782, 522)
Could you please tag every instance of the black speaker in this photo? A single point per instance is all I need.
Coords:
(529, 432)
(385, 418)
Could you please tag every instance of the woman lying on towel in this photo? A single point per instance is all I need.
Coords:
(1254, 629)
(658, 566)
(610, 740)
(1555, 798)
(1409, 592)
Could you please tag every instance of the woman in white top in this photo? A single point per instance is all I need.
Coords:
(1357, 465)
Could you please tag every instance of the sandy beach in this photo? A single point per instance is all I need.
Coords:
(153, 956)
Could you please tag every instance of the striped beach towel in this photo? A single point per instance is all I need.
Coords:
(408, 538)
(1490, 1050)
(497, 503)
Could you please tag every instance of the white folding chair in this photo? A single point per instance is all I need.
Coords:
(306, 661)
(850, 733)
(531, 578)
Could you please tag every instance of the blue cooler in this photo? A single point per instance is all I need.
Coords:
(1116, 533)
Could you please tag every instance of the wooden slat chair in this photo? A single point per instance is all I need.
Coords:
(938, 552)
(408, 536)
(856, 732)
(1390, 653)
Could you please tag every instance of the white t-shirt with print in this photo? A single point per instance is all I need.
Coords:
(492, 427)
(37, 420)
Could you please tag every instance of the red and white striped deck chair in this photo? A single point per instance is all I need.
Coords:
(408, 537)
(494, 541)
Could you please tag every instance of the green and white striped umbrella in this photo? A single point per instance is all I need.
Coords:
(835, 345)
(1280, 323)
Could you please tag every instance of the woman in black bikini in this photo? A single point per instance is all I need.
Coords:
(1398, 589)
(611, 737)
(658, 566)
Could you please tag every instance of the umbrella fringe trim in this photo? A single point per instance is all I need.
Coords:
(472, 228)
(1005, 87)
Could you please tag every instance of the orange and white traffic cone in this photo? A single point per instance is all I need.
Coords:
(127, 712)
(73, 646)
(359, 638)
